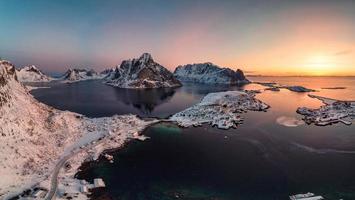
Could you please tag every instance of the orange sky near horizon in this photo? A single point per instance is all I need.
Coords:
(314, 46)
(274, 37)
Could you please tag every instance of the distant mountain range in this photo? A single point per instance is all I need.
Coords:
(76, 74)
(143, 72)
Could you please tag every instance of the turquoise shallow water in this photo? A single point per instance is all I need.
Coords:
(261, 159)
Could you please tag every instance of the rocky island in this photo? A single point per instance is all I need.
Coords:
(333, 111)
(221, 109)
(209, 73)
(142, 72)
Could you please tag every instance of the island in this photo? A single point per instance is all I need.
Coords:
(208, 73)
(142, 72)
(333, 111)
(221, 109)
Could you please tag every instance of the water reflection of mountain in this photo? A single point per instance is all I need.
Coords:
(145, 100)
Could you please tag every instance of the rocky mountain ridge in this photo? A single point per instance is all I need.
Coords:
(208, 73)
(142, 72)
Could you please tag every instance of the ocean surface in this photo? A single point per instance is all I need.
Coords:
(267, 157)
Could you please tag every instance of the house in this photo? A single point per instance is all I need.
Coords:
(98, 182)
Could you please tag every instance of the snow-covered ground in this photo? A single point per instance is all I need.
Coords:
(34, 136)
(32, 74)
(333, 111)
(221, 109)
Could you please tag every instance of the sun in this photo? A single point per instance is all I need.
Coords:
(319, 65)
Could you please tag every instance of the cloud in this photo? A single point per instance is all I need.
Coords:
(344, 52)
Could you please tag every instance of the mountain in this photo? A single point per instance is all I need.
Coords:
(209, 73)
(32, 74)
(76, 74)
(35, 138)
(25, 127)
(142, 72)
(107, 73)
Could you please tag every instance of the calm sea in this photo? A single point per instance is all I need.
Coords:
(261, 159)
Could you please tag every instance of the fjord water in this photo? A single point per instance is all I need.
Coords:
(261, 159)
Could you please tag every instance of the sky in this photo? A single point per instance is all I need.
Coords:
(274, 37)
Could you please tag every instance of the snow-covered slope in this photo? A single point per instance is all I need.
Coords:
(75, 75)
(33, 136)
(142, 73)
(32, 74)
(210, 74)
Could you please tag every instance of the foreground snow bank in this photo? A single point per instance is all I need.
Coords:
(35, 139)
(333, 111)
(221, 109)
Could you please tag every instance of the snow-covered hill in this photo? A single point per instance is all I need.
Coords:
(32, 74)
(143, 72)
(75, 75)
(209, 73)
(34, 136)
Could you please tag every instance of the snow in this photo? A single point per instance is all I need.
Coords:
(221, 109)
(32, 74)
(142, 72)
(209, 73)
(34, 136)
(333, 111)
(77, 74)
(307, 196)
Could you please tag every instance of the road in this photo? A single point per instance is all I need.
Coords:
(54, 181)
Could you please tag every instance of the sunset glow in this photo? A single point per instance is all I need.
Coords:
(312, 38)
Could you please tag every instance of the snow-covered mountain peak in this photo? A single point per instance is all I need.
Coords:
(146, 57)
(7, 71)
(32, 74)
(32, 68)
(209, 73)
(142, 72)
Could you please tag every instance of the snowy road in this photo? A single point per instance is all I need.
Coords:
(54, 181)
